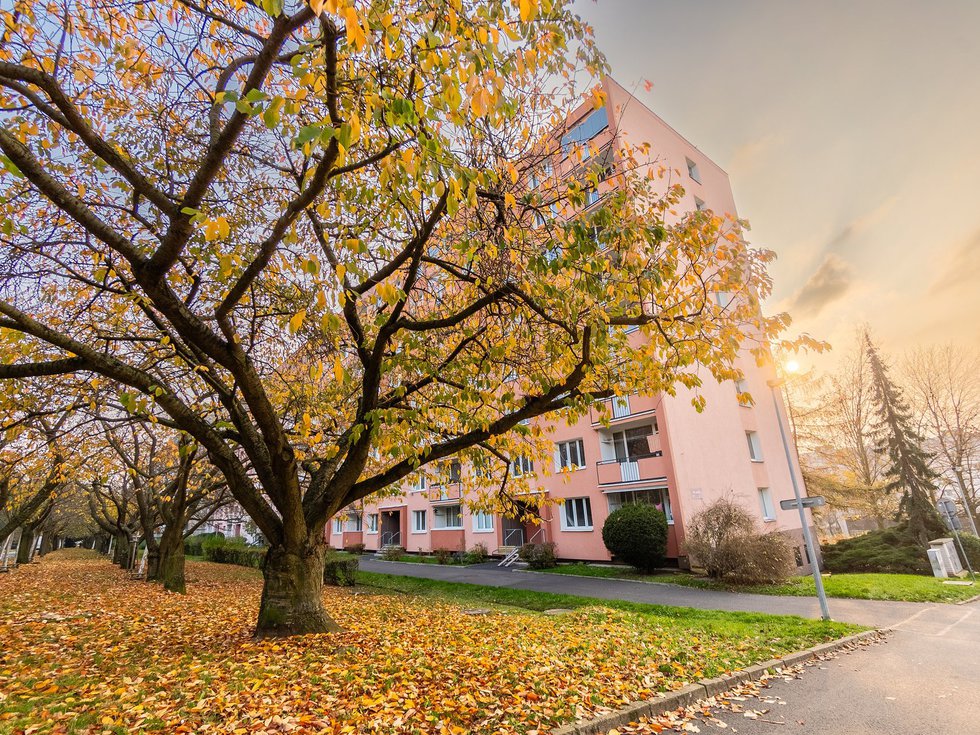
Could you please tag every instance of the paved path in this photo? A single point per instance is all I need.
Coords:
(864, 612)
(925, 680)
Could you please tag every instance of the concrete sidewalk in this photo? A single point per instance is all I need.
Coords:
(874, 613)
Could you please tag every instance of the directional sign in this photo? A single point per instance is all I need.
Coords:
(814, 501)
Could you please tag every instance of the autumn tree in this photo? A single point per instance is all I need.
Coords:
(944, 384)
(834, 417)
(175, 492)
(908, 468)
(334, 242)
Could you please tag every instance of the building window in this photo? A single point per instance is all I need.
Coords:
(354, 522)
(447, 517)
(692, 170)
(577, 515)
(699, 204)
(570, 455)
(591, 197)
(633, 443)
(522, 466)
(482, 522)
(338, 525)
(765, 501)
(418, 521)
(591, 126)
(723, 299)
(372, 523)
(755, 448)
(658, 497)
(455, 471)
(418, 484)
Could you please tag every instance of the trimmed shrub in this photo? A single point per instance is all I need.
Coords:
(477, 555)
(443, 556)
(637, 534)
(891, 551)
(193, 545)
(539, 556)
(355, 548)
(234, 553)
(392, 553)
(722, 538)
(340, 571)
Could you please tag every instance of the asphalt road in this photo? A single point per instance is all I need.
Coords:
(924, 680)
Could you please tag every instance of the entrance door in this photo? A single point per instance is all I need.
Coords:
(391, 526)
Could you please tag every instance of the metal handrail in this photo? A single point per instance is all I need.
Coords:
(391, 538)
(509, 533)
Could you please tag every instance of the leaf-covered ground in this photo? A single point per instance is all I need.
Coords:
(86, 649)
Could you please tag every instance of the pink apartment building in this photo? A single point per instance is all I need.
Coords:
(640, 448)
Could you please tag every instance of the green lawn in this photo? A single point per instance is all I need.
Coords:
(772, 634)
(905, 587)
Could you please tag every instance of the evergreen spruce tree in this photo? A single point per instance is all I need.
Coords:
(908, 469)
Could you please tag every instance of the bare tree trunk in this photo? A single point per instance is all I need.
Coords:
(122, 554)
(26, 544)
(171, 559)
(47, 544)
(292, 601)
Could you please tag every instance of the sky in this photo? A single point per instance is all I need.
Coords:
(851, 135)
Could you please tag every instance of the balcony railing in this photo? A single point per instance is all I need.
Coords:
(616, 409)
(449, 491)
(651, 466)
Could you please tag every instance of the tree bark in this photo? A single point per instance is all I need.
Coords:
(292, 601)
(47, 544)
(121, 555)
(26, 544)
(171, 559)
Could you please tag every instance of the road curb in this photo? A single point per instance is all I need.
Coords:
(704, 688)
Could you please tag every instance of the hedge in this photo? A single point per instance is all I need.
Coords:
(637, 534)
(891, 551)
(235, 553)
(340, 571)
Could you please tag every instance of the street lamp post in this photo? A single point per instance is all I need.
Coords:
(807, 537)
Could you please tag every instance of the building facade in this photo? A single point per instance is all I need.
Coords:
(640, 448)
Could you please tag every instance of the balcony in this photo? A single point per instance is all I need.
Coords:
(449, 493)
(631, 470)
(622, 408)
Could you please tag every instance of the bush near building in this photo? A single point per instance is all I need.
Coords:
(539, 556)
(233, 551)
(891, 551)
(971, 545)
(723, 539)
(637, 535)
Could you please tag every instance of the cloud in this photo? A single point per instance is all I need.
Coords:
(829, 283)
(960, 267)
(860, 225)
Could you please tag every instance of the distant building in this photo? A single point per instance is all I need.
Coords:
(654, 449)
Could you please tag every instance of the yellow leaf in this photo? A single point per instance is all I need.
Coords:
(355, 33)
(297, 321)
(338, 369)
(216, 229)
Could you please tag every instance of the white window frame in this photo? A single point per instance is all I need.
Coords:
(416, 516)
(615, 501)
(442, 511)
(373, 521)
(581, 510)
(572, 446)
(699, 204)
(418, 484)
(338, 525)
(768, 507)
(693, 171)
(755, 445)
(354, 523)
(483, 522)
(521, 466)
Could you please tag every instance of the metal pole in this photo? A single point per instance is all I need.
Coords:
(958, 471)
(807, 538)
